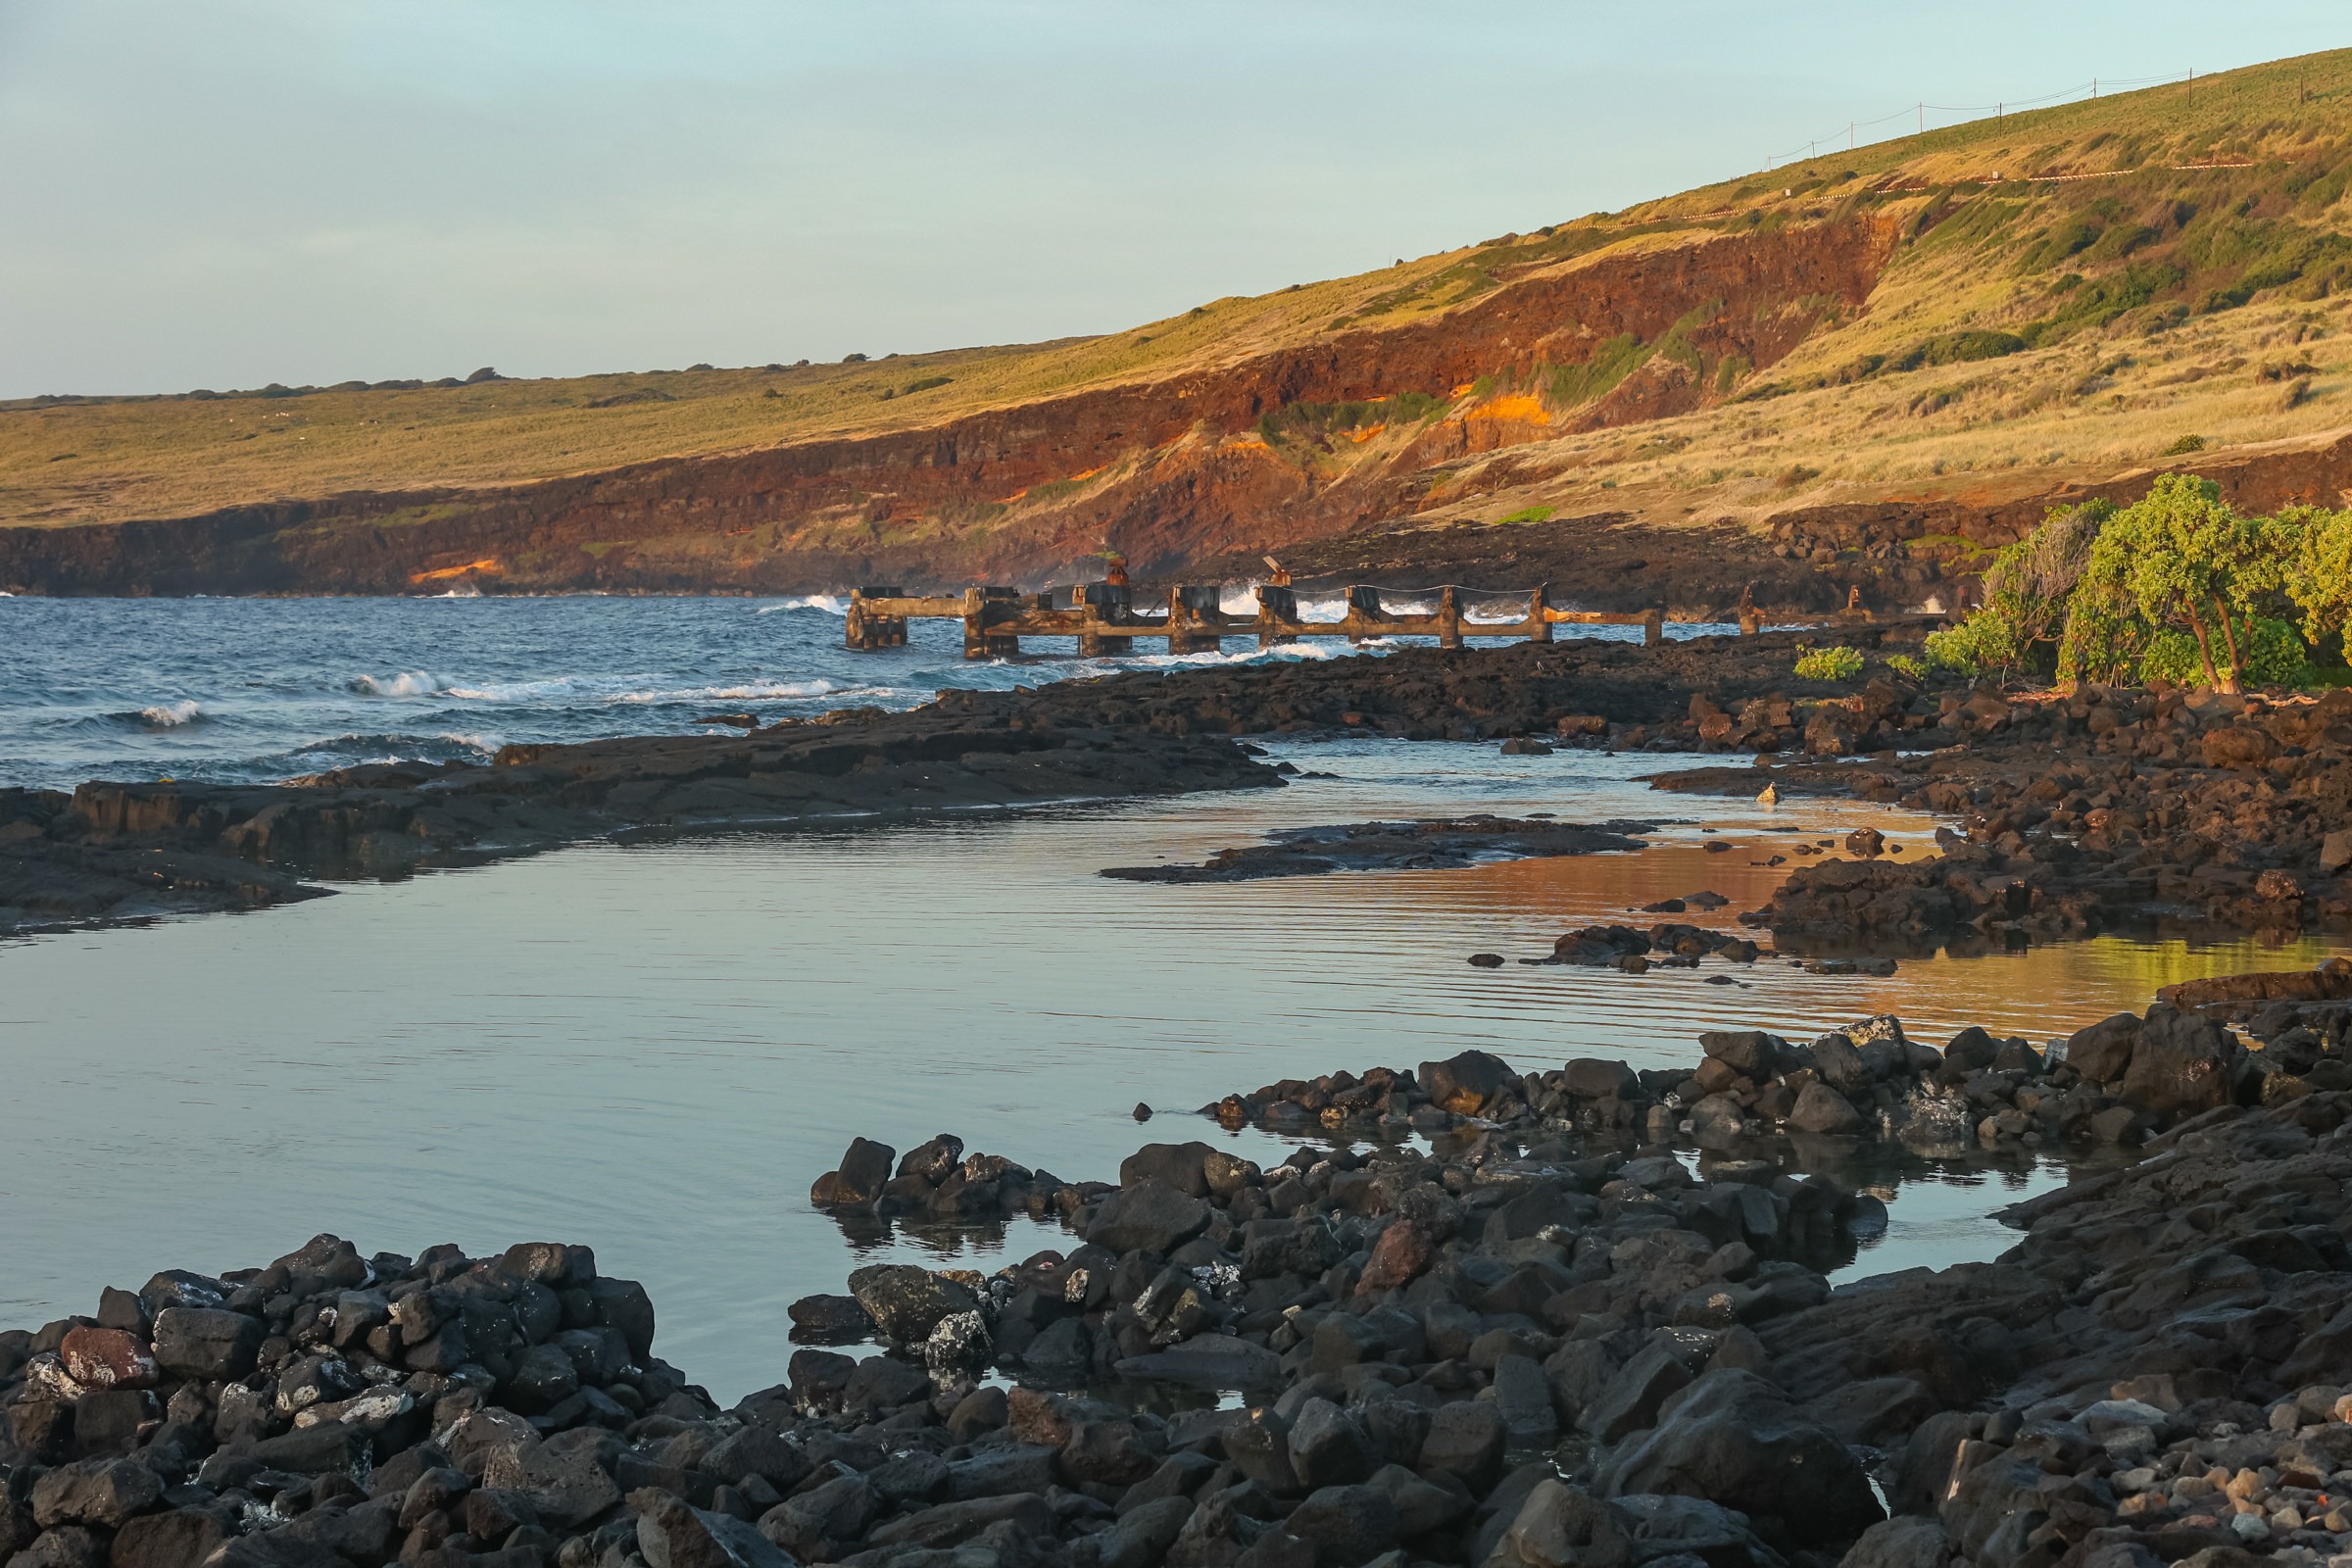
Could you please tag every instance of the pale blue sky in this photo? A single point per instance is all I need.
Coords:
(239, 191)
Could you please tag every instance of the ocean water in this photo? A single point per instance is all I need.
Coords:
(242, 690)
(655, 1047)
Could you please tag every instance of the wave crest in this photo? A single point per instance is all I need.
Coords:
(171, 716)
(408, 683)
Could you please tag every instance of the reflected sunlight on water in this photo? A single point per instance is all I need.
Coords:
(655, 1048)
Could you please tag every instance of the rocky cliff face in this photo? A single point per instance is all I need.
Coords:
(1293, 444)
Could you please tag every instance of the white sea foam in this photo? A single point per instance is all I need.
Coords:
(763, 690)
(408, 683)
(830, 603)
(171, 716)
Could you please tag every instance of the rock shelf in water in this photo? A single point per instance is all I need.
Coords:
(117, 852)
(1540, 1339)
(1428, 843)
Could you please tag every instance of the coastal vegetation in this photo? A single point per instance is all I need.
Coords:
(1829, 663)
(2178, 586)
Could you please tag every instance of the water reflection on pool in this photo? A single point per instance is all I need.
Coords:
(655, 1048)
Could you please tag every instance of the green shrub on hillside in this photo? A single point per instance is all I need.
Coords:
(1907, 666)
(2177, 587)
(1959, 348)
(2319, 572)
(2273, 657)
(1829, 663)
(1986, 642)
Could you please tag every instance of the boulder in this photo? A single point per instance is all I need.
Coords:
(1630, 1401)
(1734, 1439)
(829, 1319)
(95, 1491)
(1840, 1064)
(207, 1343)
(2181, 1067)
(106, 1359)
(1142, 1536)
(2102, 1051)
(672, 1534)
(1905, 1540)
(933, 1161)
(170, 1540)
(1559, 1526)
(815, 1523)
(1347, 1526)
(1222, 1361)
(1467, 1083)
(881, 1383)
(1750, 1052)
(1328, 1448)
(1663, 1526)
(2239, 746)
(1183, 1166)
(859, 1179)
(1824, 1113)
(1591, 1078)
(1149, 1216)
(1466, 1439)
(905, 1301)
(2335, 851)
(1401, 1253)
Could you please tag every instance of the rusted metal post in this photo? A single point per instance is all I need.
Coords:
(1538, 622)
(975, 624)
(1653, 627)
(1191, 629)
(1449, 618)
(1275, 605)
(852, 625)
(1106, 604)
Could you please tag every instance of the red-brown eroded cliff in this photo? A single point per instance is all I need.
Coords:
(1169, 473)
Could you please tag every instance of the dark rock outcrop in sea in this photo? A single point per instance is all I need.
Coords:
(1431, 844)
(116, 851)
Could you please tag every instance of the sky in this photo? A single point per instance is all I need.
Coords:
(245, 191)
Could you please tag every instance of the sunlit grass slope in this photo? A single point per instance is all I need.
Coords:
(2081, 287)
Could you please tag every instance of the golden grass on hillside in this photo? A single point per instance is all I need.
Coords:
(1993, 246)
(2079, 411)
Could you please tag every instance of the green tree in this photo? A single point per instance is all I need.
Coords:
(2181, 557)
(2317, 570)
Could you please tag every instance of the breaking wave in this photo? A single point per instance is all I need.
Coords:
(409, 683)
(169, 716)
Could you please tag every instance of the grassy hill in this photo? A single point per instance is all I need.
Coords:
(1979, 314)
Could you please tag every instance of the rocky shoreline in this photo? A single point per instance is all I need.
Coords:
(112, 852)
(1574, 1315)
(2100, 810)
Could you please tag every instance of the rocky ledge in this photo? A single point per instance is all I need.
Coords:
(2104, 810)
(1431, 844)
(119, 852)
(1541, 1340)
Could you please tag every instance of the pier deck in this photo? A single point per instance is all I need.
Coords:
(1105, 619)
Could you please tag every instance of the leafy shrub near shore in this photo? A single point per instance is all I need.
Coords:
(1907, 666)
(2178, 586)
(1829, 663)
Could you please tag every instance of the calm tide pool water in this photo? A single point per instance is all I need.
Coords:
(655, 1047)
